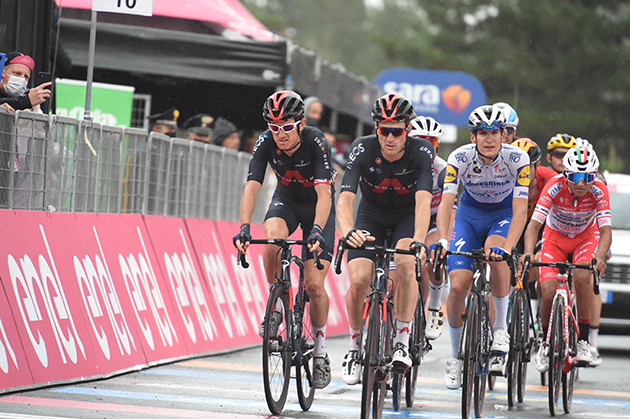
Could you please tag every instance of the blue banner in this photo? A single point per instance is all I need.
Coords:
(447, 96)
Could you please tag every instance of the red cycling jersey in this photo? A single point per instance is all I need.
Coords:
(543, 174)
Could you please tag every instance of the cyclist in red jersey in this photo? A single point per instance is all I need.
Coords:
(576, 209)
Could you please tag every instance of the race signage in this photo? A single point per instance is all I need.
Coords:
(129, 7)
(447, 96)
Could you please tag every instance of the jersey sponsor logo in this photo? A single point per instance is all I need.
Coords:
(522, 179)
(461, 157)
(522, 194)
(354, 153)
(294, 175)
(515, 156)
(372, 169)
(404, 171)
(278, 152)
(393, 184)
(302, 163)
(555, 188)
(451, 174)
(258, 143)
(378, 160)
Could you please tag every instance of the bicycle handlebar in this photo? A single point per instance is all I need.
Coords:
(342, 246)
(284, 243)
(565, 266)
(475, 254)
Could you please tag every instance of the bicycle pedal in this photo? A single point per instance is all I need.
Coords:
(581, 364)
(427, 348)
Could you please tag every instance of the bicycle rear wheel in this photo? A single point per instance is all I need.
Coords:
(556, 354)
(469, 348)
(369, 392)
(568, 378)
(514, 356)
(277, 352)
(417, 341)
(305, 339)
(483, 357)
(398, 382)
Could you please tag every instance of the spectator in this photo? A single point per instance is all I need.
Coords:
(314, 111)
(248, 141)
(338, 164)
(13, 88)
(198, 127)
(226, 134)
(165, 122)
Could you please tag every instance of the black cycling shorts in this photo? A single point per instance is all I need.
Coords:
(297, 214)
(377, 221)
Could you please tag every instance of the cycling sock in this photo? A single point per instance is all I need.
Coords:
(354, 339)
(455, 333)
(320, 341)
(593, 333)
(584, 326)
(403, 329)
(435, 296)
(500, 312)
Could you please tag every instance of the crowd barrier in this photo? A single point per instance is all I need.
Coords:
(91, 295)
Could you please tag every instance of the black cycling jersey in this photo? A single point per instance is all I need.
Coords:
(298, 174)
(389, 185)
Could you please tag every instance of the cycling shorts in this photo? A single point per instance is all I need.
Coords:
(472, 226)
(377, 221)
(297, 214)
(556, 247)
(432, 229)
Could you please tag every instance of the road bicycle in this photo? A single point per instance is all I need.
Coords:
(293, 344)
(476, 338)
(562, 334)
(377, 326)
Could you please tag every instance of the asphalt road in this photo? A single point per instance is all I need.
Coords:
(230, 386)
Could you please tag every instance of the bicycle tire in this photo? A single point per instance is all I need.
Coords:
(526, 350)
(277, 353)
(470, 343)
(305, 338)
(556, 354)
(398, 381)
(483, 357)
(515, 329)
(417, 341)
(385, 356)
(568, 378)
(370, 360)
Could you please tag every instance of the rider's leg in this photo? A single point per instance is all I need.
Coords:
(275, 228)
(360, 271)
(435, 284)
(314, 281)
(461, 280)
(406, 295)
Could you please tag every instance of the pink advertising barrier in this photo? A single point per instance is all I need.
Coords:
(92, 295)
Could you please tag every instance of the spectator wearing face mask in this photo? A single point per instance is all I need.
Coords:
(314, 109)
(13, 87)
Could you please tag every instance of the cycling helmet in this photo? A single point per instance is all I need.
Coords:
(425, 126)
(511, 118)
(583, 142)
(531, 147)
(561, 140)
(486, 118)
(581, 160)
(392, 107)
(282, 106)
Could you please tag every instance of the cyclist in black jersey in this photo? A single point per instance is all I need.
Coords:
(395, 173)
(299, 156)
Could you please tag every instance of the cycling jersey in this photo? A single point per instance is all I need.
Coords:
(439, 164)
(543, 175)
(297, 174)
(488, 186)
(566, 214)
(389, 185)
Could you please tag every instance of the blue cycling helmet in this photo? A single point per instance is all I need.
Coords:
(511, 117)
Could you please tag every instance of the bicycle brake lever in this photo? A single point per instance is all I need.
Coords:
(240, 260)
(595, 276)
(316, 261)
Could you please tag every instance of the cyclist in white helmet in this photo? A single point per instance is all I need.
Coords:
(511, 121)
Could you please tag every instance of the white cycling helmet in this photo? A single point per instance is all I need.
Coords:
(511, 118)
(425, 126)
(582, 142)
(486, 118)
(581, 160)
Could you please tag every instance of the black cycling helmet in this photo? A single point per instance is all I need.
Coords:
(392, 107)
(282, 106)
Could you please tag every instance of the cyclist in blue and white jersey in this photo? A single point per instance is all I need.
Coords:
(511, 121)
(493, 206)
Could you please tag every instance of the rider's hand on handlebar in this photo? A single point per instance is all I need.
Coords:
(600, 267)
(242, 239)
(497, 254)
(433, 246)
(316, 241)
(356, 238)
(418, 246)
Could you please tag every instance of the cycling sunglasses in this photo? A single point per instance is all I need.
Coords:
(558, 154)
(576, 177)
(510, 130)
(286, 127)
(396, 132)
(484, 126)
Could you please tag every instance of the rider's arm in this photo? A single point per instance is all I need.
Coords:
(324, 203)
(444, 214)
(423, 215)
(605, 240)
(248, 202)
(519, 218)
(345, 219)
(531, 236)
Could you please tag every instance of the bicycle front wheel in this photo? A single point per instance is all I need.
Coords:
(527, 343)
(556, 354)
(470, 344)
(370, 391)
(417, 341)
(306, 344)
(568, 378)
(514, 356)
(483, 356)
(277, 352)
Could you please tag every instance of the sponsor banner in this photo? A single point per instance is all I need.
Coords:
(239, 294)
(37, 272)
(193, 305)
(447, 96)
(127, 304)
(14, 369)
